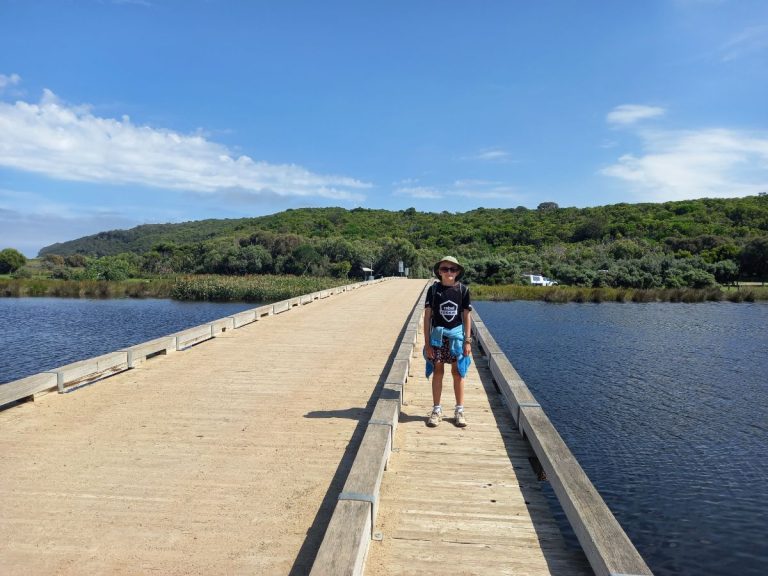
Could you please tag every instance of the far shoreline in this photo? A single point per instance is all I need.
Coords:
(272, 288)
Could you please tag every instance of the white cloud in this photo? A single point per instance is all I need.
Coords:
(423, 192)
(627, 114)
(491, 155)
(497, 193)
(70, 143)
(678, 165)
(751, 40)
(475, 189)
(406, 182)
(11, 80)
(470, 182)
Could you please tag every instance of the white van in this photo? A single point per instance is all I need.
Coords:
(537, 280)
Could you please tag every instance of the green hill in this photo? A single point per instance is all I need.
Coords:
(483, 230)
(619, 244)
(142, 238)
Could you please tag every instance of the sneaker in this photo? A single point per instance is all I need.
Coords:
(459, 420)
(434, 418)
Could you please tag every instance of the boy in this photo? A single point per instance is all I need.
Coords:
(447, 331)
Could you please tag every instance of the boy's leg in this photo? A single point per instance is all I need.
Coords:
(458, 389)
(436, 415)
(458, 385)
(437, 383)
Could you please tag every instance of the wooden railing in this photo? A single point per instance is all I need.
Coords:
(72, 376)
(607, 547)
(349, 533)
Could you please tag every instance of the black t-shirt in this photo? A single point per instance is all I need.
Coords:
(449, 302)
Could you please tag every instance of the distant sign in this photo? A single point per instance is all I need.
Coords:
(400, 266)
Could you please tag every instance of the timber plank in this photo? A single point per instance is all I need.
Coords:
(346, 543)
(368, 468)
(26, 387)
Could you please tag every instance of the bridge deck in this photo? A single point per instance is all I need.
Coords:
(227, 458)
(223, 459)
(465, 501)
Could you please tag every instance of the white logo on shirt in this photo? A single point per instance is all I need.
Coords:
(449, 310)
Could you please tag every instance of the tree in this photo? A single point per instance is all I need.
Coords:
(592, 229)
(625, 249)
(697, 278)
(725, 271)
(11, 260)
(544, 206)
(394, 251)
(246, 260)
(340, 269)
(754, 258)
(76, 260)
(113, 268)
(302, 260)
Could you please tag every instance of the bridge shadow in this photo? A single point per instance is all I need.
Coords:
(563, 557)
(406, 418)
(308, 551)
(348, 413)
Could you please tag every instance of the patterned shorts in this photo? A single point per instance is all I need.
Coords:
(443, 354)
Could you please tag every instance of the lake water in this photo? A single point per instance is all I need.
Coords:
(664, 405)
(37, 334)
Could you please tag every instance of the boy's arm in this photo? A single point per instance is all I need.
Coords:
(467, 317)
(427, 330)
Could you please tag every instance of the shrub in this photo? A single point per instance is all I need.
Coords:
(75, 261)
(111, 268)
(53, 260)
(11, 260)
(735, 296)
(22, 273)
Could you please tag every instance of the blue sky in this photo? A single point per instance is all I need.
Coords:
(117, 113)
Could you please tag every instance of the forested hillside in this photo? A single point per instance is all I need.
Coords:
(689, 243)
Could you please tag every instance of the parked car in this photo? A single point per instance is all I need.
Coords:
(538, 280)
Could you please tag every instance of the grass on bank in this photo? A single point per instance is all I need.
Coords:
(271, 288)
(562, 294)
(257, 288)
(264, 288)
(85, 288)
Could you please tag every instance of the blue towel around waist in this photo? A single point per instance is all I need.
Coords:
(456, 344)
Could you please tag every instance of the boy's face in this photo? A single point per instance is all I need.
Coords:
(448, 272)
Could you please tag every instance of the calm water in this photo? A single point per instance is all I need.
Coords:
(38, 334)
(664, 405)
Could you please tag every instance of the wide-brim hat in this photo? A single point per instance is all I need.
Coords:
(452, 260)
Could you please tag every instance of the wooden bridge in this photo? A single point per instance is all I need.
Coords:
(262, 450)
